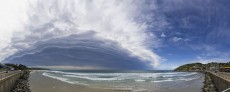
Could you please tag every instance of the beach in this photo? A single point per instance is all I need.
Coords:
(40, 83)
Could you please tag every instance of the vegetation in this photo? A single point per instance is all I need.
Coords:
(9, 66)
(200, 66)
(191, 66)
(2, 67)
(18, 67)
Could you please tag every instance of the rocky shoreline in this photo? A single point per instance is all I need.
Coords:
(22, 84)
(208, 84)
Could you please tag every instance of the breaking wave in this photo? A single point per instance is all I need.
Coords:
(143, 80)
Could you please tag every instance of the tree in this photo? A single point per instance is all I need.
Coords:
(18, 67)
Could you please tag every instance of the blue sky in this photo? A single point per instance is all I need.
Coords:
(199, 31)
(131, 34)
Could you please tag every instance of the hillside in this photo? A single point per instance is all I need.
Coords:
(189, 67)
(199, 66)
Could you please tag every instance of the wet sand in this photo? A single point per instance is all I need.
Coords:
(40, 83)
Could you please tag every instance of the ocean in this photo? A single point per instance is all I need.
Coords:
(147, 81)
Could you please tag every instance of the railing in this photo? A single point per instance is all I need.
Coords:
(7, 80)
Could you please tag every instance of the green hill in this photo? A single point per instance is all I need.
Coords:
(199, 66)
(191, 67)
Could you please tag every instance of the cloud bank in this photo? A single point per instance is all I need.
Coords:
(80, 32)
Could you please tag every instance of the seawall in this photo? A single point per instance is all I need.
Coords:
(22, 84)
(221, 81)
(7, 80)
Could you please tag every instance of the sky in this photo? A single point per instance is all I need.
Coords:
(114, 34)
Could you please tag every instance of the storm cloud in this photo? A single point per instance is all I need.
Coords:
(113, 34)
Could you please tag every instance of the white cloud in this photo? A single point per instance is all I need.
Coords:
(163, 35)
(186, 40)
(167, 66)
(114, 20)
(208, 51)
(205, 61)
(12, 16)
(176, 39)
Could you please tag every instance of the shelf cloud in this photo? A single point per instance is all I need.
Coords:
(101, 33)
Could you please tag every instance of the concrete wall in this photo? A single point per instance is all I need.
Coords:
(7, 80)
(221, 81)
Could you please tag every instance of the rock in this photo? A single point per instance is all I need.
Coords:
(208, 84)
(22, 84)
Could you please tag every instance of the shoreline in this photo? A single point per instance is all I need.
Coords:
(208, 85)
(40, 83)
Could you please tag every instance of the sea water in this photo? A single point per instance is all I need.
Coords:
(154, 80)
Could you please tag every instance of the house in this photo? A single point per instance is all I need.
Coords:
(225, 69)
(197, 68)
(10, 68)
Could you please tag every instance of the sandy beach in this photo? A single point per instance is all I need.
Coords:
(40, 83)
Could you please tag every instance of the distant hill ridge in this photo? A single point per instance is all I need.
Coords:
(200, 67)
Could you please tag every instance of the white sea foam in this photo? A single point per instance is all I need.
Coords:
(179, 74)
(138, 77)
(59, 78)
(163, 80)
(91, 78)
(135, 81)
(139, 80)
